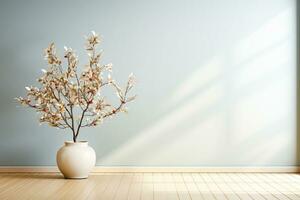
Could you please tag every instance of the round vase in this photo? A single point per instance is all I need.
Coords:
(76, 159)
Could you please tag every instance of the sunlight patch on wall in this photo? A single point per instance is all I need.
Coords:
(201, 78)
(224, 104)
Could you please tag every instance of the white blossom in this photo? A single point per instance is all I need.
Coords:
(67, 98)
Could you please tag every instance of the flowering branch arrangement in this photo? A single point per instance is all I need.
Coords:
(71, 99)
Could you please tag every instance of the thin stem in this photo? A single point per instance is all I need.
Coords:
(64, 117)
(81, 119)
(72, 120)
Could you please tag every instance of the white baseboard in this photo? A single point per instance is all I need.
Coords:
(197, 169)
(100, 169)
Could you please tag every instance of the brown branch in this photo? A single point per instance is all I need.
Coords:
(103, 84)
(64, 118)
(80, 122)
(58, 100)
(114, 111)
(55, 100)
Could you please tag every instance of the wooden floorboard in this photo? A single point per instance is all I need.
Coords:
(152, 186)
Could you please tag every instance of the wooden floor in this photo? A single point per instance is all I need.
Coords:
(151, 186)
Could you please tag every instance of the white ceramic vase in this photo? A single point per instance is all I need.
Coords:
(76, 160)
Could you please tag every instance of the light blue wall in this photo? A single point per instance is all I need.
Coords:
(216, 80)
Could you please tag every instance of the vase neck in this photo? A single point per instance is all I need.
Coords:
(79, 143)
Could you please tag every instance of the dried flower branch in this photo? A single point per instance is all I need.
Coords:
(69, 99)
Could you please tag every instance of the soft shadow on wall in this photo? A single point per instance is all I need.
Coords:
(216, 80)
(235, 103)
